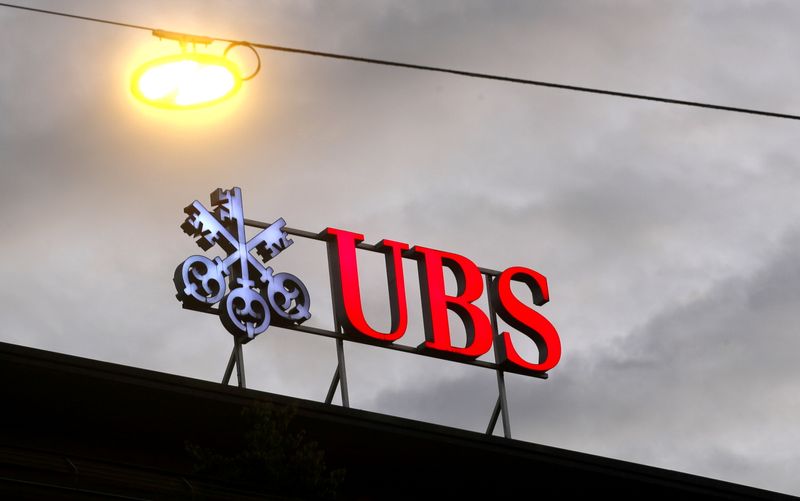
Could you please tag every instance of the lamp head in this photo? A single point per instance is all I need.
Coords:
(189, 79)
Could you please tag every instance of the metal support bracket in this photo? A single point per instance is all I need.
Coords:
(501, 406)
(339, 378)
(237, 359)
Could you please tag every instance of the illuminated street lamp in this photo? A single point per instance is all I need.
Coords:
(189, 79)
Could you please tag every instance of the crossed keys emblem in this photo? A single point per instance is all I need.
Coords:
(258, 295)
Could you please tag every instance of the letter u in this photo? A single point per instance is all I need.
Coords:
(343, 267)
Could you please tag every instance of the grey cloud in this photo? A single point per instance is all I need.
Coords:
(702, 387)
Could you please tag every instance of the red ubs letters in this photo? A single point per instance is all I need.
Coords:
(436, 303)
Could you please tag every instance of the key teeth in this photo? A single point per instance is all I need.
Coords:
(221, 200)
(196, 226)
(220, 196)
(264, 252)
(207, 241)
(223, 214)
(191, 225)
(189, 228)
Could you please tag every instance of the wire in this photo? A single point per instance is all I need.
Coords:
(538, 83)
(437, 69)
(73, 16)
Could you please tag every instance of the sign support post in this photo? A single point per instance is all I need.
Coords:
(502, 402)
(342, 373)
(340, 376)
(237, 359)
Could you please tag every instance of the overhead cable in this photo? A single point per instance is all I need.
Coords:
(437, 69)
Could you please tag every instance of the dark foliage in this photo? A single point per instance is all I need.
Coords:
(274, 458)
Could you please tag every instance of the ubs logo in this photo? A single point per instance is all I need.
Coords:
(258, 296)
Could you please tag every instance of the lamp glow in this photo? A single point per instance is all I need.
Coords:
(186, 81)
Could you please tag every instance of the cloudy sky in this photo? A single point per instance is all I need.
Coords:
(669, 235)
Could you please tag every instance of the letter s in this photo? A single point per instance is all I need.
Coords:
(523, 318)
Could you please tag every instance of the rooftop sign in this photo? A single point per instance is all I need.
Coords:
(249, 296)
